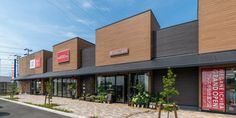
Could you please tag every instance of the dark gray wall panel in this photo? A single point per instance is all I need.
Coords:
(49, 65)
(177, 40)
(186, 84)
(88, 57)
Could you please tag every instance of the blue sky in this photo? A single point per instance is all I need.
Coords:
(39, 24)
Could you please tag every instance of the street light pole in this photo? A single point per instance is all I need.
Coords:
(28, 51)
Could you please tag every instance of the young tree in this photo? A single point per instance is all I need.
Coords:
(169, 87)
(49, 90)
(168, 92)
(13, 89)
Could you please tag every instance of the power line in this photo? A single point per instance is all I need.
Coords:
(98, 10)
(4, 52)
(3, 46)
(66, 14)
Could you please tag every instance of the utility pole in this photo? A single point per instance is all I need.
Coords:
(28, 51)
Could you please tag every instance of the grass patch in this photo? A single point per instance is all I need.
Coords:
(14, 99)
(50, 106)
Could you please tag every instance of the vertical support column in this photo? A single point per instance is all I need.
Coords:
(150, 80)
(78, 86)
(199, 89)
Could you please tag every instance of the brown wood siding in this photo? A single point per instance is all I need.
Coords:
(75, 46)
(133, 33)
(73, 62)
(217, 25)
(24, 68)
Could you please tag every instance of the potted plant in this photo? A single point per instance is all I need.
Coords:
(72, 88)
(153, 101)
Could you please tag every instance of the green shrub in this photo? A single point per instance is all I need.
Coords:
(100, 98)
(142, 98)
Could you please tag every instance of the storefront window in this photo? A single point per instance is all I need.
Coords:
(231, 90)
(120, 88)
(36, 87)
(64, 87)
(142, 79)
(68, 87)
(59, 88)
(110, 83)
(55, 87)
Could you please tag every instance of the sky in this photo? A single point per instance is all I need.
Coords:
(39, 24)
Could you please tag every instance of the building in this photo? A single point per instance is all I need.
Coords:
(136, 50)
(5, 82)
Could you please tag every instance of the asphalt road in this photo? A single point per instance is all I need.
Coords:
(12, 110)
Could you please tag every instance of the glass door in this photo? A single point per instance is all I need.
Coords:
(120, 88)
(231, 90)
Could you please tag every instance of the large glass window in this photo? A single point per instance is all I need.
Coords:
(36, 87)
(55, 87)
(110, 83)
(231, 90)
(59, 88)
(64, 87)
(68, 81)
(120, 88)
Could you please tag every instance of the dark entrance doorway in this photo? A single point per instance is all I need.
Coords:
(123, 86)
(114, 84)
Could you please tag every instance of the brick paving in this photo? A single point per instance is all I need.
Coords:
(115, 110)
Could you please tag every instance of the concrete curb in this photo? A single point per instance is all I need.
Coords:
(45, 109)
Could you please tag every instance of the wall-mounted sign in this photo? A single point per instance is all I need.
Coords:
(35, 63)
(120, 51)
(213, 89)
(32, 63)
(63, 56)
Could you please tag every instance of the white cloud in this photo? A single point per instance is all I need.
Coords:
(70, 34)
(85, 21)
(87, 5)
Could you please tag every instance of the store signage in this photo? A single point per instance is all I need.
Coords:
(120, 51)
(32, 64)
(35, 63)
(213, 89)
(63, 56)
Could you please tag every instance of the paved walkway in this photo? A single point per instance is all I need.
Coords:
(114, 110)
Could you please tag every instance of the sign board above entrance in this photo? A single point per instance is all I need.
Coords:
(120, 51)
(63, 56)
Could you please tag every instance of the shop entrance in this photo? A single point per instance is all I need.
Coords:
(35, 87)
(113, 84)
(122, 86)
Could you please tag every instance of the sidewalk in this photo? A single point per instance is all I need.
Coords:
(84, 108)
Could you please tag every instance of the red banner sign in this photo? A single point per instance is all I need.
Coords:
(37, 62)
(63, 56)
(213, 89)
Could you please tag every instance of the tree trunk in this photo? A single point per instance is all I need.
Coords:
(49, 100)
(168, 114)
(45, 100)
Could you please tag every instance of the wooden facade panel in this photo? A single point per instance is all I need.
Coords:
(24, 63)
(217, 25)
(74, 46)
(133, 33)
